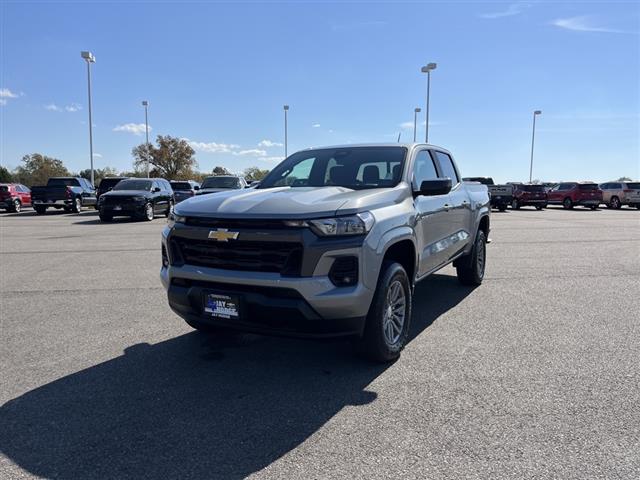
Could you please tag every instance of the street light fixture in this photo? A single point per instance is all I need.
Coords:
(145, 104)
(89, 58)
(286, 109)
(427, 69)
(533, 138)
(416, 111)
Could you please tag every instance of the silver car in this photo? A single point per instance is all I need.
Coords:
(616, 194)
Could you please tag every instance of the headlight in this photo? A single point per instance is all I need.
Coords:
(359, 224)
(172, 219)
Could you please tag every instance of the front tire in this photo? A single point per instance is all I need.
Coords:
(471, 269)
(40, 210)
(387, 326)
(567, 204)
(502, 208)
(17, 206)
(104, 217)
(515, 205)
(77, 205)
(538, 208)
(615, 203)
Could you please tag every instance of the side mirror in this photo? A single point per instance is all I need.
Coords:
(428, 188)
(156, 189)
(196, 187)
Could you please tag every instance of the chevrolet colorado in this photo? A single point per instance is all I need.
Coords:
(331, 243)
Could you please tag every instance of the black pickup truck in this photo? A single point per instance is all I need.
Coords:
(70, 193)
(501, 195)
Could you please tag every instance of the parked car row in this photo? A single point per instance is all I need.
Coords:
(568, 194)
(140, 198)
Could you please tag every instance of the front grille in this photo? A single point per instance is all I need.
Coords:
(111, 200)
(261, 224)
(254, 256)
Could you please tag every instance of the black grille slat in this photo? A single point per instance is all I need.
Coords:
(280, 257)
(261, 224)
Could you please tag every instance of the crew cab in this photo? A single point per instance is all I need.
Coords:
(69, 193)
(616, 194)
(220, 183)
(14, 196)
(106, 185)
(139, 198)
(331, 243)
(569, 194)
(183, 189)
(501, 195)
(529, 195)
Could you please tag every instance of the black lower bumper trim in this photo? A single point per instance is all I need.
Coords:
(264, 310)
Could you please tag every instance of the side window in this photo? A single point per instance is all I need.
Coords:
(447, 168)
(155, 185)
(616, 185)
(166, 185)
(564, 186)
(605, 186)
(423, 168)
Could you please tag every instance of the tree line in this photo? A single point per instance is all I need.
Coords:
(171, 158)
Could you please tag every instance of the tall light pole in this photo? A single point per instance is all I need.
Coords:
(533, 138)
(286, 109)
(427, 69)
(145, 104)
(416, 111)
(88, 56)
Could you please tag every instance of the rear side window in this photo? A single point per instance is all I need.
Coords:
(634, 185)
(63, 182)
(181, 185)
(424, 169)
(533, 188)
(588, 186)
(565, 186)
(446, 166)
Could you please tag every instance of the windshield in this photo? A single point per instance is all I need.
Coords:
(63, 182)
(350, 167)
(588, 186)
(181, 185)
(221, 182)
(133, 185)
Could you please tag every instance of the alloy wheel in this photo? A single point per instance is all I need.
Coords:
(394, 313)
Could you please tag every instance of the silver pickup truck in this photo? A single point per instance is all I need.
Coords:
(331, 243)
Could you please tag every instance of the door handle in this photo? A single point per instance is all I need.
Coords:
(447, 206)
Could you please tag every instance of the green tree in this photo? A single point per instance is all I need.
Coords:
(98, 174)
(624, 179)
(220, 171)
(5, 175)
(38, 168)
(252, 174)
(172, 158)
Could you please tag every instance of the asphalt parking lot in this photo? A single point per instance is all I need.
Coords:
(535, 374)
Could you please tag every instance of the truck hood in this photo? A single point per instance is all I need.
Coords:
(287, 202)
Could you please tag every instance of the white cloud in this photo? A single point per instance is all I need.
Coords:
(513, 9)
(74, 107)
(275, 159)
(6, 93)
(97, 155)
(409, 125)
(212, 147)
(269, 143)
(252, 152)
(53, 107)
(316, 125)
(135, 128)
(584, 23)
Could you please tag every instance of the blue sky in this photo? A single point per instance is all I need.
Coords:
(218, 74)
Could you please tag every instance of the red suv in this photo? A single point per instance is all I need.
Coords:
(14, 196)
(529, 195)
(568, 194)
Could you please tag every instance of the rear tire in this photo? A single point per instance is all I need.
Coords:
(538, 208)
(387, 325)
(615, 203)
(471, 269)
(567, 204)
(77, 205)
(40, 210)
(17, 206)
(502, 208)
(515, 204)
(593, 207)
(148, 212)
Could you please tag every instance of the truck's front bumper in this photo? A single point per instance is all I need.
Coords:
(270, 303)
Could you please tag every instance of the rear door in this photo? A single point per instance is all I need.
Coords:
(459, 206)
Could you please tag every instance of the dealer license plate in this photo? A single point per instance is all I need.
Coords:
(222, 306)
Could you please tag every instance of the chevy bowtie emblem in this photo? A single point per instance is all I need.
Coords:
(223, 235)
